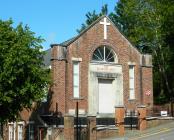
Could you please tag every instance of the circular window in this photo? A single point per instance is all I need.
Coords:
(104, 54)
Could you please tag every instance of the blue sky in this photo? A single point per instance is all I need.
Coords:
(53, 20)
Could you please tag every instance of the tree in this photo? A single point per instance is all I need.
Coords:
(22, 76)
(93, 16)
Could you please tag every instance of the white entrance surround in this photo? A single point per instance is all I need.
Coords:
(104, 78)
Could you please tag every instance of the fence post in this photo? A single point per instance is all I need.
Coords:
(119, 116)
(68, 127)
(92, 135)
(142, 117)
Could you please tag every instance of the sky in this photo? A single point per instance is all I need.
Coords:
(53, 20)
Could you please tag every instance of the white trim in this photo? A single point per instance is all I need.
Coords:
(103, 57)
(131, 82)
(131, 63)
(21, 122)
(29, 130)
(20, 131)
(10, 131)
(13, 126)
(76, 79)
(105, 24)
(76, 59)
(14, 130)
(104, 54)
(30, 122)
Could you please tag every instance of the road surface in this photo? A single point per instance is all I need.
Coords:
(162, 132)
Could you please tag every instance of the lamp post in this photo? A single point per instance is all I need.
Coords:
(171, 105)
(77, 115)
(77, 119)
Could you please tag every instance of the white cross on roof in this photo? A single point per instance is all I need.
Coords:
(105, 24)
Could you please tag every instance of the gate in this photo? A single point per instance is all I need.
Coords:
(80, 128)
(131, 119)
(105, 121)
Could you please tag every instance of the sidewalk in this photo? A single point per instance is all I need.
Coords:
(133, 134)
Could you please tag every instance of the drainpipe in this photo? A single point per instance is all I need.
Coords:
(141, 86)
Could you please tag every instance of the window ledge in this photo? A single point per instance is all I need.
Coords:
(132, 99)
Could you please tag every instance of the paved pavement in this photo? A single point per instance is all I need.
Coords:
(161, 132)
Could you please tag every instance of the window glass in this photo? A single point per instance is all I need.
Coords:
(31, 131)
(131, 82)
(76, 79)
(20, 128)
(104, 54)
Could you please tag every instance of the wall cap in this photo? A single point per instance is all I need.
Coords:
(68, 115)
(141, 106)
(77, 98)
(120, 106)
(91, 115)
(76, 59)
(131, 63)
(147, 66)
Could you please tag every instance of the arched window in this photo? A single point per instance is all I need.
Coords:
(104, 54)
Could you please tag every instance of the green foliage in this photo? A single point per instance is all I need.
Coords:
(93, 16)
(22, 77)
(136, 21)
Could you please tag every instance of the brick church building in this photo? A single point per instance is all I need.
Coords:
(100, 69)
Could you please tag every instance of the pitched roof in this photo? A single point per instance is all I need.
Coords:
(67, 42)
(71, 40)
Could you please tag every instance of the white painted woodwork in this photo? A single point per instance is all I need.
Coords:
(20, 131)
(11, 132)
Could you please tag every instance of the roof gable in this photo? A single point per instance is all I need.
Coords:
(68, 42)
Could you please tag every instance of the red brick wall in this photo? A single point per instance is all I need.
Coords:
(147, 85)
(83, 47)
(57, 94)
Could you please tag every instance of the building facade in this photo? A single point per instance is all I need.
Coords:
(100, 69)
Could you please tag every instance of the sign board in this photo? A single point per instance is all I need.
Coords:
(164, 113)
(147, 93)
(106, 68)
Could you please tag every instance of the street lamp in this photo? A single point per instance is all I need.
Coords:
(77, 115)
